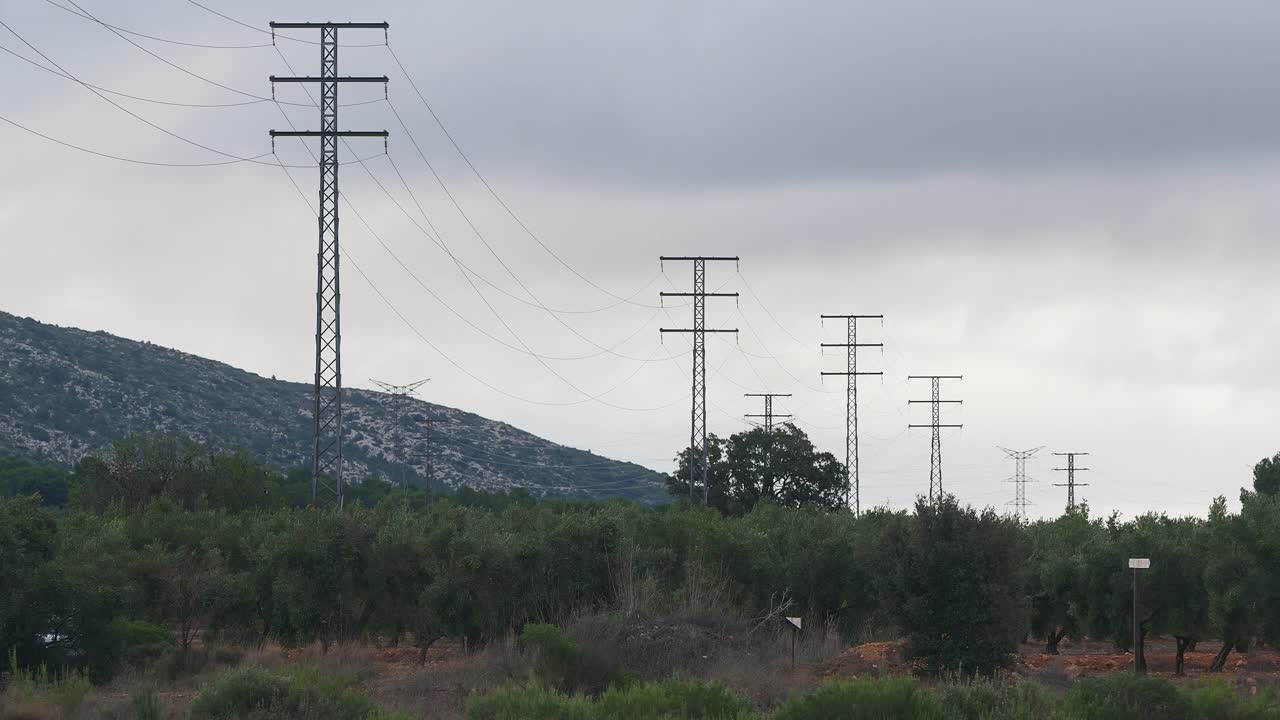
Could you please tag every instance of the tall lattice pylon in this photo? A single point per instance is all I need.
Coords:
(852, 482)
(1071, 471)
(1020, 479)
(698, 415)
(935, 455)
(327, 408)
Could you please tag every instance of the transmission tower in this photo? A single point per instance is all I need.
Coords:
(327, 410)
(1071, 483)
(851, 403)
(768, 415)
(403, 393)
(935, 455)
(1019, 479)
(698, 422)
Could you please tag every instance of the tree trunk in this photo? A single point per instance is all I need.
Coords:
(1220, 660)
(423, 647)
(1140, 652)
(1192, 646)
(1178, 662)
(1051, 641)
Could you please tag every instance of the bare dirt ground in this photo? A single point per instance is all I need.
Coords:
(1260, 667)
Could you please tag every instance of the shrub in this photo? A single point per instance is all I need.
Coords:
(864, 699)
(146, 705)
(141, 642)
(1220, 701)
(676, 698)
(561, 664)
(256, 694)
(532, 703)
(993, 700)
(41, 688)
(1127, 697)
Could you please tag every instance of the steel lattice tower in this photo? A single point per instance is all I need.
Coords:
(698, 414)
(851, 479)
(935, 451)
(768, 414)
(327, 407)
(1019, 478)
(403, 393)
(1071, 483)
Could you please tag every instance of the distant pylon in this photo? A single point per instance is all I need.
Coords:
(768, 414)
(405, 392)
(935, 454)
(1019, 479)
(1071, 483)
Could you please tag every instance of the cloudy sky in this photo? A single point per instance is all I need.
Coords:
(1072, 204)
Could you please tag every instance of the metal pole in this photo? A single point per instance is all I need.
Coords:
(1137, 669)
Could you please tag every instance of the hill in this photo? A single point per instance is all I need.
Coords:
(66, 392)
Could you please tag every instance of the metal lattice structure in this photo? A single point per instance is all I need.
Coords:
(403, 393)
(326, 463)
(768, 415)
(851, 373)
(936, 425)
(1019, 479)
(1071, 483)
(698, 414)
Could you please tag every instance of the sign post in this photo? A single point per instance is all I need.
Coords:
(1137, 564)
(795, 624)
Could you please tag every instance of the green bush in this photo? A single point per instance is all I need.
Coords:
(305, 694)
(141, 643)
(562, 665)
(1220, 701)
(864, 699)
(676, 698)
(532, 703)
(1127, 697)
(994, 700)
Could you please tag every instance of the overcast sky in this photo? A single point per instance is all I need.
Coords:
(1072, 204)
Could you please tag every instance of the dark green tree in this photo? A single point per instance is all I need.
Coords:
(1266, 476)
(781, 467)
(957, 590)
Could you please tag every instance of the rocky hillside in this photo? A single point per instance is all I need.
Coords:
(66, 392)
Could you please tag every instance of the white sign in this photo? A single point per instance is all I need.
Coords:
(794, 621)
(1140, 563)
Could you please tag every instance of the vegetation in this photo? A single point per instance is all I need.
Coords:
(781, 467)
(165, 550)
(1123, 697)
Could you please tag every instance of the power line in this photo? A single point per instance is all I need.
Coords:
(935, 455)
(494, 193)
(121, 158)
(157, 38)
(127, 111)
(182, 69)
(272, 33)
(851, 374)
(588, 396)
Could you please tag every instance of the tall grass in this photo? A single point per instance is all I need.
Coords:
(40, 686)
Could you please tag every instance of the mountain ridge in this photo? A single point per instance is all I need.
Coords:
(66, 392)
